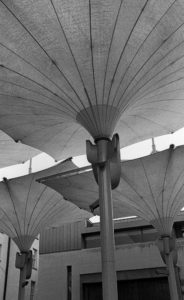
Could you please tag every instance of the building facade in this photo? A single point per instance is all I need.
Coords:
(70, 262)
(9, 275)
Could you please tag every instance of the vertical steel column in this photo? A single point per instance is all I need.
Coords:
(172, 277)
(23, 262)
(105, 160)
(21, 294)
(109, 278)
(173, 288)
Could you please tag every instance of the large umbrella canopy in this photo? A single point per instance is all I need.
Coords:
(100, 64)
(27, 207)
(12, 153)
(79, 186)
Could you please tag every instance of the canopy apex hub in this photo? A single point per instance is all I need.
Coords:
(99, 120)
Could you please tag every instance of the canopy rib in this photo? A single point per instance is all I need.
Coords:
(123, 50)
(6, 184)
(91, 49)
(29, 220)
(39, 84)
(149, 186)
(70, 138)
(71, 51)
(49, 214)
(139, 48)
(52, 62)
(35, 101)
(43, 74)
(159, 101)
(154, 52)
(137, 193)
(155, 75)
(174, 185)
(27, 199)
(7, 227)
(158, 88)
(4, 212)
(97, 121)
(133, 130)
(133, 205)
(108, 56)
(42, 209)
(170, 154)
(169, 130)
(175, 202)
(34, 92)
(166, 110)
(50, 58)
(109, 49)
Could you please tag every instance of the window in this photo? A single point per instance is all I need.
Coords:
(35, 258)
(32, 293)
(122, 236)
(69, 282)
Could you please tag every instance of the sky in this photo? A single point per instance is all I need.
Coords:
(43, 161)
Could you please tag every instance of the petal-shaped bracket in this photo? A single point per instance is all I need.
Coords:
(105, 150)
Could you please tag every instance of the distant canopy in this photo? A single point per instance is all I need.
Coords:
(12, 153)
(27, 207)
(153, 187)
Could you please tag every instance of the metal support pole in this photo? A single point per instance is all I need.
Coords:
(24, 263)
(172, 277)
(168, 254)
(100, 156)
(22, 280)
(109, 279)
(178, 282)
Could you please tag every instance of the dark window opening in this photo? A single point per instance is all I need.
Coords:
(69, 282)
(122, 236)
(139, 289)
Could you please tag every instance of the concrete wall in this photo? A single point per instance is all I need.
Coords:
(13, 273)
(52, 281)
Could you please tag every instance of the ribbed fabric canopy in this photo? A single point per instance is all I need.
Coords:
(79, 186)
(151, 187)
(104, 64)
(12, 153)
(27, 207)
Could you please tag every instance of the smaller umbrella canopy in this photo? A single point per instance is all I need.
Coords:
(27, 207)
(79, 186)
(153, 187)
(12, 153)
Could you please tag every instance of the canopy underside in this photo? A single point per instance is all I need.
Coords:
(106, 65)
(150, 187)
(27, 207)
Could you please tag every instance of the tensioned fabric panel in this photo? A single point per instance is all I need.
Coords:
(104, 64)
(151, 187)
(27, 207)
(12, 153)
(80, 187)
